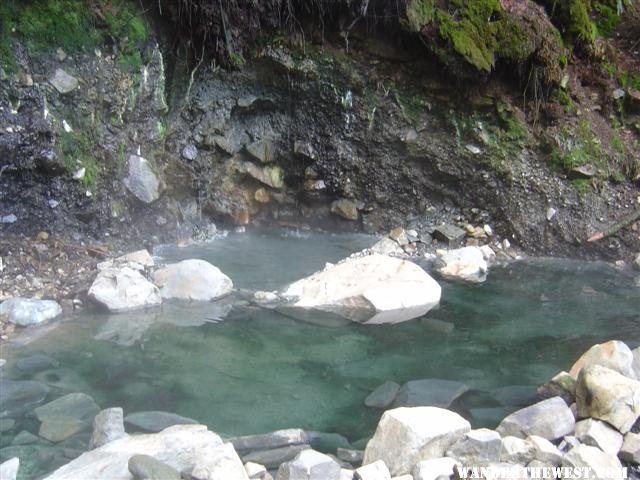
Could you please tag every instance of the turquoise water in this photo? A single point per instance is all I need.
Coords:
(244, 369)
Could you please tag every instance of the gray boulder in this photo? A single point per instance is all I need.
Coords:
(449, 234)
(142, 181)
(19, 396)
(477, 447)
(636, 362)
(63, 82)
(550, 419)
(29, 311)
(155, 421)
(309, 465)
(607, 395)
(613, 354)
(108, 426)
(602, 464)
(36, 363)
(516, 451)
(405, 436)
(545, 451)
(429, 392)
(145, 467)
(266, 441)
(383, 395)
(347, 209)
(192, 279)
(123, 289)
(630, 451)
(599, 434)
(66, 416)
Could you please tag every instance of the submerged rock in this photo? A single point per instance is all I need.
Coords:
(372, 289)
(66, 416)
(383, 396)
(156, 421)
(429, 392)
(122, 289)
(192, 280)
(275, 457)
(180, 447)
(18, 396)
(405, 436)
(36, 363)
(29, 311)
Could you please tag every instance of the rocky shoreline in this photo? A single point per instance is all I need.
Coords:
(586, 418)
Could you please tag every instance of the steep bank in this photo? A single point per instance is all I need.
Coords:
(352, 126)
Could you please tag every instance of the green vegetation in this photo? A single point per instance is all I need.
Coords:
(420, 13)
(77, 149)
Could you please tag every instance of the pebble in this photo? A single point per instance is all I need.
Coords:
(11, 218)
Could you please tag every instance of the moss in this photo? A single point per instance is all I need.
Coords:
(7, 23)
(77, 149)
(582, 184)
(607, 18)
(565, 100)
(420, 13)
(580, 25)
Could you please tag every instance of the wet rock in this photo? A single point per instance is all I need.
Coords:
(516, 451)
(36, 363)
(545, 451)
(613, 354)
(382, 396)
(275, 457)
(27, 311)
(66, 416)
(122, 289)
(265, 441)
(630, 451)
(327, 441)
(563, 385)
(434, 469)
(346, 209)
(373, 471)
(18, 396)
(190, 152)
(386, 246)
(466, 263)
(372, 289)
(354, 457)
(179, 447)
(155, 421)
(142, 181)
(144, 467)
(9, 469)
(192, 279)
(449, 234)
(405, 436)
(270, 175)
(309, 465)
(221, 462)
(599, 434)
(550, 419)
(607, 395)
(63, 82)
(593, 458)
(477, 447)
(516, 395)
(429, 392)
(25, 438)
(108, 426)
(262, 150)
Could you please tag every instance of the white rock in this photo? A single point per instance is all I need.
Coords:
(63, 82)
(599, 462)
(551, 212)
(516, 450)
(255, 470)
(79, 174)
(545, 451)
(550, 419)
(607, 395)
(266, 297)
(180, 447)
(386, 246)
(218, 462)
(477, 447)
(465, 263)
(122, 289)
(371, 289)
(346, 474)
(473, 149)
(9, 469)
(11, 218)
(67, 128)
(310, 465)
(403, 477)
(599, 434)
(613, 354)
(192, 279)
(405, 436)
(28, 311)
(434, 468)
(630, 451)
(373, 471)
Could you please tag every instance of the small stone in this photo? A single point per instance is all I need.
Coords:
(599, 434)
(630, 451)
(450, 234)
(506, 244)
(309, 465)
(53, 203)
(9, 469)
(63, 82)
(190, 152)
(262, 196)
(25, 438)
(383, 396)
(312, 185)
(551, 212)
(79, 174)
(141, 180)
(473, 149)
(488, 230)
(270, 175)
(562, 385)
(582, 172)
(11, 218)
(144, 467)
(255, 471)
(25, 312)
(262, 150)
(567, 443)
(61, 55)
(477, 447)
(618, 93)
(346, 209)
(636, 264)
(399, 236)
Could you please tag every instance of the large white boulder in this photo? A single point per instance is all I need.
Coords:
(613, 354)
(467, 263)
(29, 311)
(603, 465)
(182, 447)
(122, 289)
(550, 419)
(607, 395)
(192, 280)
(406, 436)
(371, 289)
